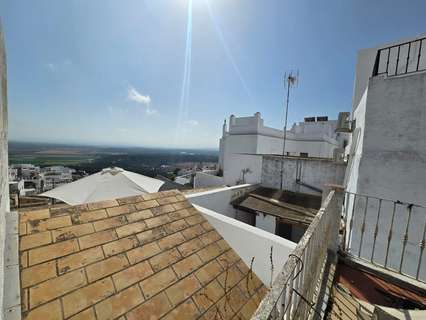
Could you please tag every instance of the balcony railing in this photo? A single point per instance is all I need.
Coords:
(388, 234)
(401, 59)
(294, 291)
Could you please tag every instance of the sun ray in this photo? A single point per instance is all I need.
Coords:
(186, 81)
(228, 52)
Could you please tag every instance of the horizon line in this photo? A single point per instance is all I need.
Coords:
(107, 145)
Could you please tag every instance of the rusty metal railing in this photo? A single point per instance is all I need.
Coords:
(386, 233)
(294, 290)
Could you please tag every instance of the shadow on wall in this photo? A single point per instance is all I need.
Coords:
(301, 175)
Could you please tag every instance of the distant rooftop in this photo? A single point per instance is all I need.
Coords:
(145, 256)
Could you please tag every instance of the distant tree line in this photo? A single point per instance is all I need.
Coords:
(147, 164)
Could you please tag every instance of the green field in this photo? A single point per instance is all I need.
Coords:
(50, 160)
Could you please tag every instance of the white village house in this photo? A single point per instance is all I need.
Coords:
(246, 139)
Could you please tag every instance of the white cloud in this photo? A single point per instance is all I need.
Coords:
(192, 123)
(134, 95)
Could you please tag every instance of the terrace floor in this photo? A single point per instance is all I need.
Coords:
(357, 292)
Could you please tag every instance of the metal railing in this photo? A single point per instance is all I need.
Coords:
(294, 291)
(401, 59)
(386, 233)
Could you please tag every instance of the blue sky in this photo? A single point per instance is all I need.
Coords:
(112, 72)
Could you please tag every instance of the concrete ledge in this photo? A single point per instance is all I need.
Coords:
(383, 313)
(249, 242)
(12, 293)
(219, 189)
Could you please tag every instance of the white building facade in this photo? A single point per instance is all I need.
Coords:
(32, 179)
(55, 176)
(4, 186)
(246, 139)
(26, 171)
(389, 135)
(13, 174)
(386, 175)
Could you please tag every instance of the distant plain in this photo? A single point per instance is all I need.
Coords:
(149, 161)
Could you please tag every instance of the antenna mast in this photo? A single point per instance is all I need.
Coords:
(290, 80)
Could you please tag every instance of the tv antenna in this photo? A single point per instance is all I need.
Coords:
(291, 79)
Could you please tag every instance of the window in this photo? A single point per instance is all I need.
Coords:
(304, 154)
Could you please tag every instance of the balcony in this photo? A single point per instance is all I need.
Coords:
(387, 234)
(305, 283)
(400, 59)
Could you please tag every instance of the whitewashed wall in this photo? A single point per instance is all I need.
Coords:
(314, 148)
(219, 200)
(315, 172)
(394, 146)
(269, 145)
(249, 242)
(249, 136)
(322, 148)
(237, 162)
(4, 191)
(202, 180)
(392, 165)
(388, 161)
(356, 146)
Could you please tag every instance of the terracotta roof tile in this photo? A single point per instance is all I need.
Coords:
(152, 309)
(38, 273)
(119, 303)
(49, 311)
(185, 311)
(79, 259)
(209, 295)
(144, 257)
(88, 314)
(139, 215)
(73, 231)
(87, 296)
(187, 265)
(131, 275)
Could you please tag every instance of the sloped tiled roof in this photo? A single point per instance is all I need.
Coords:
(145, 257)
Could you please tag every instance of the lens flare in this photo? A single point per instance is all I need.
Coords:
(228, 53)
(186, 81)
